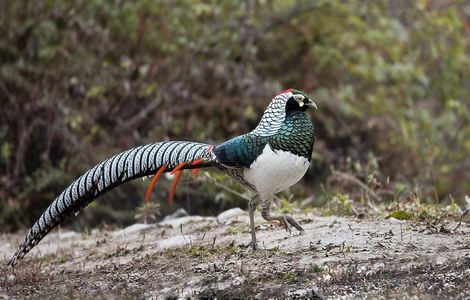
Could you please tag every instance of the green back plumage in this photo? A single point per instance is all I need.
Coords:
(296, 135)
(240, 151)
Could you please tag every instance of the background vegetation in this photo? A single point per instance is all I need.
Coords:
(82, 80)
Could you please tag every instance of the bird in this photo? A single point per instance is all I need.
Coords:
(270, 158)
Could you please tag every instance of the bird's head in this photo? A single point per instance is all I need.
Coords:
(282, 105)
(297, 100)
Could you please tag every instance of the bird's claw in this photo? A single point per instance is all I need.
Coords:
(251, 246)
(288, 221)
(284, 222)
(294, 223)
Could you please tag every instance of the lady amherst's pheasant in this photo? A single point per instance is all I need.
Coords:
(269, 159)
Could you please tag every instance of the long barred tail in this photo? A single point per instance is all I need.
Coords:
(137, 162)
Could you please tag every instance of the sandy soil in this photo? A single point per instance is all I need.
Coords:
(201, 257)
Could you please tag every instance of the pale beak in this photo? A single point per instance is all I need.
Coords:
(310, 103)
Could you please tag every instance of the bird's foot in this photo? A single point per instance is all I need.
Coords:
(252, 246)
(294, 223)
(286, 221)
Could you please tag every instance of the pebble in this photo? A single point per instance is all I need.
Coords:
(176, 241)
(175, 223)
(396, 221)
(230, 214)
(181, 212)
(133, 228)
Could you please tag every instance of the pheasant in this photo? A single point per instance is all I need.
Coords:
(267, 160)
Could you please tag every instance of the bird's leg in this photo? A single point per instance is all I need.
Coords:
(252, 207)
(284, 219)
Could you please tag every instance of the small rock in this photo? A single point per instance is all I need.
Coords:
(200, 269)
(361, 269)
(181, 212)
(175, 241)
(133, 228)
(379, 265)
(175, 223)
(229, 214)
(166, 291)
(396, 221)
(304, 294)
(4, 247)
(62, 235)
(441, 260)
(298, 294)
(11, 277)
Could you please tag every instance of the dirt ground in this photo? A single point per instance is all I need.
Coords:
(204, 257)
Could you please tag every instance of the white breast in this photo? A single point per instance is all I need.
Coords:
(274, 171)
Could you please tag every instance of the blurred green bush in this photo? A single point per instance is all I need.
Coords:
(81, 80)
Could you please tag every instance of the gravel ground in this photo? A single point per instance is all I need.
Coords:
(200, 257)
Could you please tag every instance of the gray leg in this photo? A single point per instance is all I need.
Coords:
(284, 219)
(252, 207)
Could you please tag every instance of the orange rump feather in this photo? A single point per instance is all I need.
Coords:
(177, 178)
(177, 170)
(154, 182)
(179, 166)
(194, 163)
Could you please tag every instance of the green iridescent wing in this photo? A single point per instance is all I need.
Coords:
(240, 151)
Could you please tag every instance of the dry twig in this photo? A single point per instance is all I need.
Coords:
(353, 179)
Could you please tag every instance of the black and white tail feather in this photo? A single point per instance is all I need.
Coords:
(125, 166)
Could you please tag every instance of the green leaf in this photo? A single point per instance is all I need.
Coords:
(400, 215)
(96, 91)
(6, 150)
